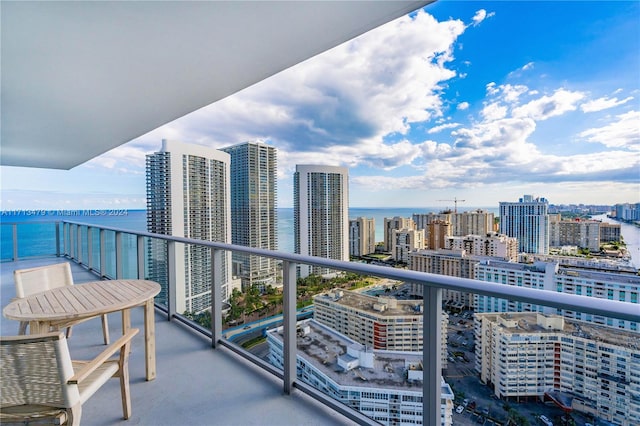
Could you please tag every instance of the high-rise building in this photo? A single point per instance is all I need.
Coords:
(188, 196)
(579, 366)
(253, 211)
(362, 236)
(321, 214)
(528, 221)
(436, 234)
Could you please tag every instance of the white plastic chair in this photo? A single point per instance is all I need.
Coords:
(35, 280)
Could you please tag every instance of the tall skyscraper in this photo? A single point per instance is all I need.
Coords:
(253, 211)
(528, 221)
(362, 236)
(188, 196)
(321, 214)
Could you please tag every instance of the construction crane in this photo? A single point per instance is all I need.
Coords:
(455, 203)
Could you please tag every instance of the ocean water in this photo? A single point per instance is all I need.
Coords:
(39, 236)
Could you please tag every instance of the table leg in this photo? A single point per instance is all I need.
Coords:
(38, 327)
(150, 339)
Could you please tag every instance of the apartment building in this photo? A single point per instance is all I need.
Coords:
(436, 234)
(405, 241)
(581, 366)
(254, 220)
(528, 222)
(580, 233)
(609, 232)
(454, 263)
(474, 222)
(384, 385)
(362, 236)
(491, 244)
(395, 223)
(378, 322)
(321, 214)
(551, 277)
(188, 195)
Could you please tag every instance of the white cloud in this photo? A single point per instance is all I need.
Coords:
(560, 102)
(493, 111)
(603, 103)
(442, 127)
(480, 16)
(463, 106)
(622, 133)
(527, 66)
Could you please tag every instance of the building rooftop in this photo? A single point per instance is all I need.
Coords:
(382, 306)
(326, 349)
(521, 323)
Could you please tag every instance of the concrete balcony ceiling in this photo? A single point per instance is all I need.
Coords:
(81, 78)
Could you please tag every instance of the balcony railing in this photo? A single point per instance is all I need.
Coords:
(119, 253)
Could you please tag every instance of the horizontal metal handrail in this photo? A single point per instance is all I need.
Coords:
(590, 305)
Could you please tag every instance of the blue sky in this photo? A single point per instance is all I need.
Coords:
(479, 101)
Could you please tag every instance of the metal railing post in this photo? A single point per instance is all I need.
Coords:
(58, 239)
(216, 296)
(14, 232)
(140, 252)
(171, 279)
(79, 244)
(103, 260)
(431, 356)
(119, 259)
(289, 324)
(90, 247)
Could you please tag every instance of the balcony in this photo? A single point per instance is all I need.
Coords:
(203, 378)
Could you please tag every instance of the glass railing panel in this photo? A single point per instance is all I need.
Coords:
(110, 254)
(156, 267)
(33, 239)
(95, 249)
(129, 256)
(84, 247)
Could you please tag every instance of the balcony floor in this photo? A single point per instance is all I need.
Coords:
(195, 385)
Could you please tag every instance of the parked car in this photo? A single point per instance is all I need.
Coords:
(465, 402)
(460, 409)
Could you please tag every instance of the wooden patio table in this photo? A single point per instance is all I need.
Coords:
(63, 306)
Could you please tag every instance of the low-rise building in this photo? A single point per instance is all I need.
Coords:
(378, 322)
(384, 385)
(581, 366)
(491, 244)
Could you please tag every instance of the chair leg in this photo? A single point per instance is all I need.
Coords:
(105, 329)
(74, 414)
(124, 381)
(22, 329)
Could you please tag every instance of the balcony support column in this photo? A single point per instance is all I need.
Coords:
(216, 297)
(289, 324)
(431, 356)
(78, 251)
